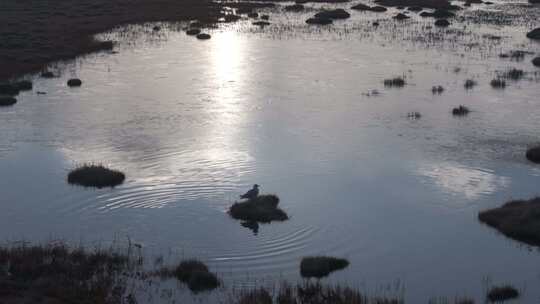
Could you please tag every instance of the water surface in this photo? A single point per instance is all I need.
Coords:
(193, 124)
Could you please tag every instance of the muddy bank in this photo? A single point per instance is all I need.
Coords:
(34, 33)
(519, 220)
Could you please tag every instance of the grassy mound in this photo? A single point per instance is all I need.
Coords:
(435, 4)
(7, 101)
(203, 36)
(196, 275)
(8, 89)
(333, 14)
(321, 266)
(319, 21)
(469, 84)
(193, 31)
(95, 176)
(57, 274)
(502, 293)
(534, 34)
(262, 209)
(519, 220)
(533, 154)
(75, 82)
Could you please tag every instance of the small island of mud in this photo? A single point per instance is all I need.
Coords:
(519, 220)
(95, 176)
(321, 266)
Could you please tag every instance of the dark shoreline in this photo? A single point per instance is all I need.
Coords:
(35, 33)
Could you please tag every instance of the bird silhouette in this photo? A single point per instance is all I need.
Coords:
(251, 194)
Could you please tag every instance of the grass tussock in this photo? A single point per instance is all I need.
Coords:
(397, 82)
(502, 293)
(74, 82)
(56, 273)
(6, 101)
(469, 84)
(321, 266)
(263, 209)
(95, 176)
(9, 89)
(437, 90)
(498, 83)
(514, 74)
(533, 154)
(460, 111)
(519, 220)
(196, 275)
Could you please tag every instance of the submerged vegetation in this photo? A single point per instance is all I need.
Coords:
(519, 220)
(263, 209)
(321, 266)
(95, 176)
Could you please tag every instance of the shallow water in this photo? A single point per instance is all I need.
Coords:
(194, 123)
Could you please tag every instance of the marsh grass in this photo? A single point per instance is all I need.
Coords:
(90, 175)
(502, 293)
(519, 220)
(309, 292)
(321, 266)
(60, 274)
(263, 209)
